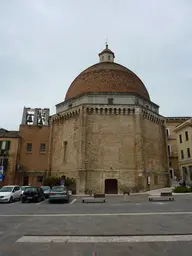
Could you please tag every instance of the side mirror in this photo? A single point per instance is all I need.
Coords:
(13, 191)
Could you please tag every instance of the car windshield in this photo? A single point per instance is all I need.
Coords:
(45, 188)
(23, 188)
(31, 190)
(6, 189)
(58, 189)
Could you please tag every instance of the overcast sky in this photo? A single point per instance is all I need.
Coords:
(45, 44)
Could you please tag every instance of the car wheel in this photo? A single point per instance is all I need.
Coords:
(23, 201)
(50, 202)
(43, 198)
(20, 198)
(11, 200)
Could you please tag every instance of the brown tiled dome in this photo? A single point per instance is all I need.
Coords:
(107, 77)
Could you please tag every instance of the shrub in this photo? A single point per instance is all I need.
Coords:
(182, 189)
(56, 181)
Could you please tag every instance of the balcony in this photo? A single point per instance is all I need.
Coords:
(173, 154)
(171, 137)
(4, 152)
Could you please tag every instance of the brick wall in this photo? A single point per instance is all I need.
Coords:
(35, 160)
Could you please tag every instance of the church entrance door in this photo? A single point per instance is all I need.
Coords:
(111, 186)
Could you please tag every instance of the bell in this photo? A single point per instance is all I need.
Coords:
(29, 118)
(41, 121)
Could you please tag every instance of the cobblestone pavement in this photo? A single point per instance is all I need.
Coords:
(118, 227)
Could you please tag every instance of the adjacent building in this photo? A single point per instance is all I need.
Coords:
(184, 144)
(9, 152)
(33, 157)
(171, 124)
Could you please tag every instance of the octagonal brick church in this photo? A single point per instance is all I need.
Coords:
(107, 133)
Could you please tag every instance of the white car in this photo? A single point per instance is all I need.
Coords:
(10, 193)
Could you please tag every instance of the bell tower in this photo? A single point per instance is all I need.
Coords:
(37, 116)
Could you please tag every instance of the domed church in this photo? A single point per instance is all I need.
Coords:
(107, 133)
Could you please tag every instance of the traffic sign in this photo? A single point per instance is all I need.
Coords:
(1, 177)
(1, 169)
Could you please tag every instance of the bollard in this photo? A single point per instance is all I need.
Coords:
(126, 196)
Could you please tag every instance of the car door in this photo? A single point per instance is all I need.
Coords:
(18, 192)
(14, 193)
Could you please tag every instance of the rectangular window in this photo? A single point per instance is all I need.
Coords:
(190, 172)
(180, 138)
(186, 135)
(29, 147)
(185, 174)
(42, 147)
(182, 154)
(168, 133)
(4, 163)
(109, 57)
(169, 150)
(110, 101)
(188, 153)
(5, 145)
(39, 179)
(64, 150)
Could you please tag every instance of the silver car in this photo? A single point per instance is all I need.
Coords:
(59, 193)
(46, 190)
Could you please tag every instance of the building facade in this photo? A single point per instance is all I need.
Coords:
(107, 133)
(9, 150)
(171, 124)
(184, 143)
(34, 133)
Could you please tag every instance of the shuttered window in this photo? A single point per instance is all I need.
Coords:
(5, 145)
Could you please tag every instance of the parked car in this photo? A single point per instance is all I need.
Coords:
(59, 193)
(34, 194)
(10, 193)
(23, 188)
(46, 190)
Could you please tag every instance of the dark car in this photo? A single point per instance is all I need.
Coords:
(46, 190)
(59, 193)
(34, 194)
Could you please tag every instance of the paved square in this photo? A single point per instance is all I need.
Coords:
(118, 227)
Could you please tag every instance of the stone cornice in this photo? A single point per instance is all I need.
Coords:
(110, 110)
(66, 115)
(183, 125)
(153, 117)
(128, 110)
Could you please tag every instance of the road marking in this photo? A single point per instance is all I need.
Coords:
(42, 202)
(160, 203)
(103, 239)
(73, 201)
(96, 214)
